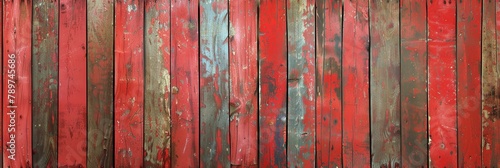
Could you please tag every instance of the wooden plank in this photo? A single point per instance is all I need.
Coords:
(129, 83)
(185, 84)
(301, 83)
(1, 83)
(413, 84)
(72, 129)
(157, 82)
(17, 59)
(45, 82)
(243, 86)
(442, 83)
(490, 89)
(469, 82)
(356, 120)
(328, 83)
(214, 81)
(272, 83)
(385, 107)
(100, 139)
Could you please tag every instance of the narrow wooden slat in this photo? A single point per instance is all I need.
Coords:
(413, 84)
(469, 82)
(328, 83)
(129, 83)
(157, 84)
(185, 84)
(301, 83)
(72, 129)
(385, 107)
(45, 82)
(100, 137)
(243, 86)
(17, 49)
(1, 83)
(442, 83)
(272, 83)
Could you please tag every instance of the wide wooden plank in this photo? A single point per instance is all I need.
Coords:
(272, 83)
(185, 84)
(328, 83)
(72, 129)
(243, 86)
(413, 84)
(385, 107)
(129, 83)
(356, 111)
(157, 84)
(45, 82)
(17, 94)
(100, 139)
(469, 82)
(301, 83)
(442, 83)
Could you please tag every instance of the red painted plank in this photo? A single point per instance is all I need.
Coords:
(243, 86)
(157, 84)
(129, 83)
(100, 104)
(442, 83)
(185, 84)
(72, 129)
(1, 83)
(328, 83)
(272, 83)
(17, 60)
(301, 83)
(469, 82)
(45, 82)
(413, 84)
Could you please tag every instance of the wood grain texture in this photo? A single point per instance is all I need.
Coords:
(301, 83)
(442, 83)
(385, 107)
(185, 84)
(157, 84)
(489, 82)
(328, 83)
(17, 40)
(129, 83)
(243, 85)
(1, 83)
(469, 82)
(214, 83)
(100, 127)
(72, 129)
(413, 84)
(45, 82)
(272, 83)
(356, 119)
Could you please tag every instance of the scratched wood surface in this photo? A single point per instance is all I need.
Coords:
(413, 84)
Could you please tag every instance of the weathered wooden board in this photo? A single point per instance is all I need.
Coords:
(489, 83)
(214, 83)
(301, 83)
(72, 128)
(129, 83)
(469, 82)
(100, 139)
(157, 84)
(413, 84)
(45, 82)
(1, 83)
(328, 83)
(355, 85)
(185, 84)
(385, 107)
(17, 78)
(442, 83)
(243, 85)
(272, 83)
